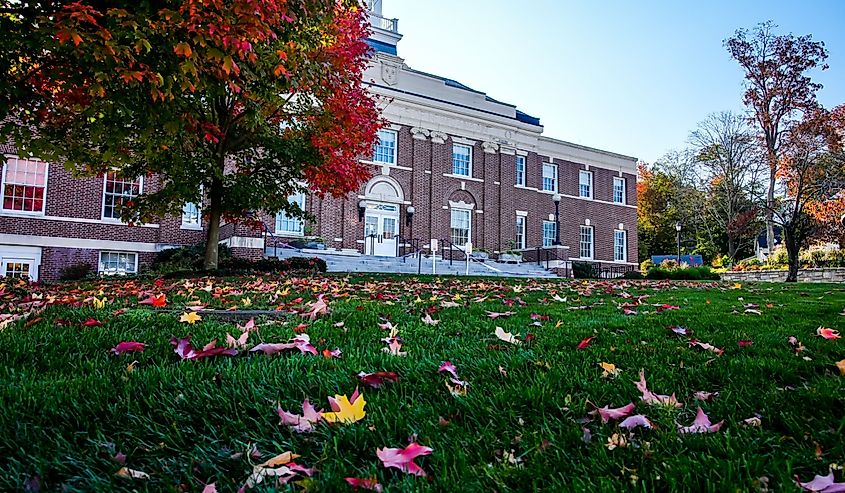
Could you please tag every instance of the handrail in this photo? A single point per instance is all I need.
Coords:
(453, 247)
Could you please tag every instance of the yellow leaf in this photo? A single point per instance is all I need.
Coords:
(279, 460)
(190, 317)
(246, 302)
(345, 411)
(737, 286)
(841, 366)
(99, 304)
(609, 369)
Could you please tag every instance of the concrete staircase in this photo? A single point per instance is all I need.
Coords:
(364, 263)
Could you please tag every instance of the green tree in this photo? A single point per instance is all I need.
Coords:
(237, 100)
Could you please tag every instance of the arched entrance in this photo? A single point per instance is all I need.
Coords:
(382, 202)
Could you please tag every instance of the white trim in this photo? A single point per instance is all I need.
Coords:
(592, 183)
(461, 205)
(555, 178)
(244, 242)
(463, 177)
(30, 255)
(524, 170)
(624, 190)
(3, 187)
(88, 244)
(384, 165)
(522, 213)
(77, 220)
(395, 133)
(464, 141)
(471, 157)
(624, 245)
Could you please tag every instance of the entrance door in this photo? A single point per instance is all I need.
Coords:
(381, 228)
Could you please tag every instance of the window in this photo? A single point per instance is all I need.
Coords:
(118, 192)
(619, 190)
(620, 245)
(191, 214)
(385, 150)
(118, 263)
(520, 232)
(585, 184)
(24, 185)
(550, 177)
(291, 225)
(520, 171)
(549, 233)
(586, 243)
(461, 226)
(18, 270)
(461, 160)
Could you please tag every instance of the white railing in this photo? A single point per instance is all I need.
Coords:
(384, 23)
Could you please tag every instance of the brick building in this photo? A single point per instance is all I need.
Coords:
(453, 165)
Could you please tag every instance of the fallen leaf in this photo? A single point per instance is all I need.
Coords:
(506, 336)
(403, 459)
(378, 379)
(841, 366)
(99, 304)
(303, 423)
(346, 410)
(302, 342)
(332, 353)
(365, 483)
(158, 301)
(240, 342)
(651, 398)
(632, 422)
(92, 322)
(701, 424)
(429, 321)
(610, 370)
(128, 346)
(828, 334)
(606, 414)
(190, 318)
(584, 344)
(125, 472)
(495, 315)
(448, 367)
(185, 350)
(744, 343)
(616, 441)
(316, 308)
(210, 488)
(704, 396)
(824, 484)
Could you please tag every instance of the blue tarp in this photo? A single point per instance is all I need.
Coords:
(692, 260)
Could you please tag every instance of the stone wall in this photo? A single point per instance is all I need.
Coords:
(804, 275)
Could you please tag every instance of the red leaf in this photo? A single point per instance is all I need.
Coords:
(92, 322)
(183, 348)
(129, 346)
(377, 379)
(585, 343)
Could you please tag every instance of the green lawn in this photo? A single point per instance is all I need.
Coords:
(70, 409)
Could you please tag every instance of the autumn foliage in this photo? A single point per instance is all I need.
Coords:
(234, 103)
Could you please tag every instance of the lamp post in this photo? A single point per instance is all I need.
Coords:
(556, 200)
(678, 228)
(409, 215)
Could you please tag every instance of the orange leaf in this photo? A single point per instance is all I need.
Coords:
(183, 49)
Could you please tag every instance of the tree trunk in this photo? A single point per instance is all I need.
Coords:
(770, 207)
(212, 242)
(792, 251)
(731, 248)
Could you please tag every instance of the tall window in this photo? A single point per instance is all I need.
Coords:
(549, 233)
(520, 170)
(191, 215)
(385, 150)
(619, 190)
(550, 177)
(586, 243)
(291, 225)
(520, 232)
(24, 185)
(620, 245)
(461, 160)
(461, 226)
(585, 184)
(118, 263)
(117, 192)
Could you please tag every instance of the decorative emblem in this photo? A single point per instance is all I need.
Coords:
(390, 73)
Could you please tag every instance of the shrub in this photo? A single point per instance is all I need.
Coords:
(834, 258)
(817, 258)
(583, 270)
(76, 272)
(779, 257)
(720, 261)
(669, 264)
(690, 274)
(312, 264)
(646, 265)
(633, 275)
(185, 258)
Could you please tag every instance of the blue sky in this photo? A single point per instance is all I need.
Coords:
(629, 77)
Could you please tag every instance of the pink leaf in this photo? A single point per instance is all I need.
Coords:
(403, 459)
(634, 421)
(824, 484)
(240, 342)
(302, 342)
(125, 347)
(606, 414)
(650, 397)
(316, 308)
(365, 483)
(701, 424)
(705, 396)
(681, 331)
(706, 346)
(377, 379)
(744, 343)
(303, 423)
(828, 334)
(183, 348)
(448, 367)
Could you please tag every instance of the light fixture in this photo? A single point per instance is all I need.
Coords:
(362, 207)
(678, 226)
(409, 214)
(556, 198)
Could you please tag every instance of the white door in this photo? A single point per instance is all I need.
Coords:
(381, 228)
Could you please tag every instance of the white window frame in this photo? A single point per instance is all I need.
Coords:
(103, 204)
(617, 180)
(521, 239)
(395, 156)
(581, 242)
(102, 271)
(549, 241)
(468, 213)
(589, 174)
(281, 217)
(23, 254)
(553, 178)
(3, 186)
(455, 146)
(624, 233)
(521, 165)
